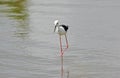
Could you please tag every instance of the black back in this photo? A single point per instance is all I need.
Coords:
(65, 27)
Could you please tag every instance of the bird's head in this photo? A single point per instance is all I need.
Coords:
(56, 22)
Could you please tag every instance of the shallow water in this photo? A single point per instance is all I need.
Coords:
(30, 49)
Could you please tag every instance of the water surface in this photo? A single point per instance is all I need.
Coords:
(30, 49)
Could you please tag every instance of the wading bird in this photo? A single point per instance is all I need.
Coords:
(61, 30)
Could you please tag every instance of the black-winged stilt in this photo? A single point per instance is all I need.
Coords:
(61, 30)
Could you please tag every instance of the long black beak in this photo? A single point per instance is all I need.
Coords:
(54, 28)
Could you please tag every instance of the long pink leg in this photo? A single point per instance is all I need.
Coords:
(61, 46)
(66, 41)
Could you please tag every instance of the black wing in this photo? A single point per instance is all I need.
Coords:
(65, 27)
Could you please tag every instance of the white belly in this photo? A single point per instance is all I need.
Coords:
(60, 30)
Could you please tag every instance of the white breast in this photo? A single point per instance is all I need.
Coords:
(60, 30)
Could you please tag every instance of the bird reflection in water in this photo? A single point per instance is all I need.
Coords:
(62, 68)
